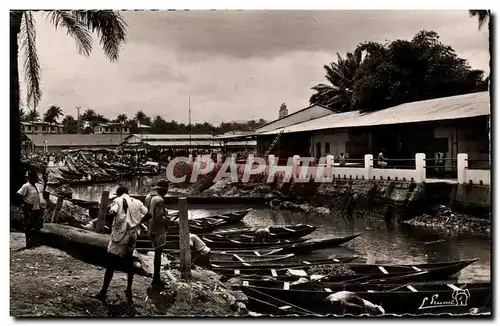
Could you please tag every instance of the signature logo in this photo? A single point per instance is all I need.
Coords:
(459, 298)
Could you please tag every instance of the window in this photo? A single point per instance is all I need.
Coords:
(52, 129)
(36, 128)
(29, 128)
(327, 148)
(43, 128)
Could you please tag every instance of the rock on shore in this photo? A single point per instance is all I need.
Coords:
(444, 219)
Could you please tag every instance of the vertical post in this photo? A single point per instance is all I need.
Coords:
(296, 168)
(185, 253)
(219, 158)
(103, 210)
(190, 158)
(462, 165)
(57, 210)
(330, 166)
(420, 167)
(368, 166)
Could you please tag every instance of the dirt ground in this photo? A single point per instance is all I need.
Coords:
(48, 282)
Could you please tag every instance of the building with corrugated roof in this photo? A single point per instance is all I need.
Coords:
(58, 142)
(451, 125)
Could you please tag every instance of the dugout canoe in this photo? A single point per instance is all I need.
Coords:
(410, 299)
(264, 266)
(369, 272)
(228, 218)
(287, 232)
(87, 246)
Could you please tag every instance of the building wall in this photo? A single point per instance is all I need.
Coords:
(39, 129)
(310, 113)
(58, 149)
(332, 143)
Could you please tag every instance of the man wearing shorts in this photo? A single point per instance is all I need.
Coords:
(157, 224)
(127, 215)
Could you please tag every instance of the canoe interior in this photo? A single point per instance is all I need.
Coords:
(412, 300)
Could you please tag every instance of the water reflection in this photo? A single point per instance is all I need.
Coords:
(377, 244)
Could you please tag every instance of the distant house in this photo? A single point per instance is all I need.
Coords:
(41, 127)
(59, 142)
(111, 128)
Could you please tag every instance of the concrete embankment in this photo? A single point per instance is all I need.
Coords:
(391, 201)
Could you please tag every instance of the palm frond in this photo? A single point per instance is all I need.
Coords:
(110, 27)
(74, 28)
(482, 16)
(31, 63)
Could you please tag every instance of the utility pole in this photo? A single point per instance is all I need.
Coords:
(78, 119)
(190, 126)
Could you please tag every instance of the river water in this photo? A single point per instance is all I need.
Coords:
(377, 243)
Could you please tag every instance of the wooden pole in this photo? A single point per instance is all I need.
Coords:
(101, 218)
(57, 210)
(185, 253)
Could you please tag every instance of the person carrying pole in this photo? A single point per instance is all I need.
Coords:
(128, 214)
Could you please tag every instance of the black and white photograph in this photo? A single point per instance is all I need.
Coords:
(250, 163)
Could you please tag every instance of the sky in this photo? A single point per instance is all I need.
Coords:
(233, 65)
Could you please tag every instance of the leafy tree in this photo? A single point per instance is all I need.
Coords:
(407, 71)
(70, 125)
(79, 24)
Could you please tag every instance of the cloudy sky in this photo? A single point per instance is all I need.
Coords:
(235, 65)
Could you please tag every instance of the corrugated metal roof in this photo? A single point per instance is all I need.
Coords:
(171, 136)
(447, 108)
(68, 140)
(173, 143)
(242, 143)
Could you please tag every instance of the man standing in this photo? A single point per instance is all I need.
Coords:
(128, 213)
(30, 198)
(158, 224)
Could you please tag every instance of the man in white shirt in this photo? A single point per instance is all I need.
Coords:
(30, 199)
(128, 214)
(200, 253)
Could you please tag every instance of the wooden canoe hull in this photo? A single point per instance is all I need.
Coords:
(407, 301)
(87, 246)
(397, 273)
(255, 268)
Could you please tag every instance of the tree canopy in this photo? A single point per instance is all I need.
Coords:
(397, 72)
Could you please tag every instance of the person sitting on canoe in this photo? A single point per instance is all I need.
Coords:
(200, 253)
(128, 213)
(158, 224)
(350, 300)
(262, 235)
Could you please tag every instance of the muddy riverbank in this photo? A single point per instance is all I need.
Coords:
(48, 282)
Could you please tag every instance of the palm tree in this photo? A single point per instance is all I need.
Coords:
(341, 77)
(139, 117)
(22, 114)
(33, 115)
(52, 114)
(122, 119)
(107, 24)
(482, 16)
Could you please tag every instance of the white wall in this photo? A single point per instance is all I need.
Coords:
(313, 112)
(337, 143)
